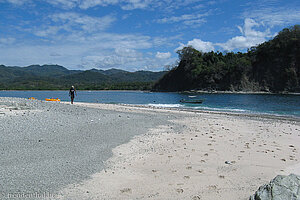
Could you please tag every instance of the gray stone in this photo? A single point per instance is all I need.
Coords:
(280, 188)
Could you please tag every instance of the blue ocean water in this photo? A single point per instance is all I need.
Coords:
(246, 103)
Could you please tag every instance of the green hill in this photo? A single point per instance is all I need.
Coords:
(55, 77)
(271, 66)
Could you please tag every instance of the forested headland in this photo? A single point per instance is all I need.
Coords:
(273, 66)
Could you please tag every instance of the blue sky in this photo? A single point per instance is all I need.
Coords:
(133, 34)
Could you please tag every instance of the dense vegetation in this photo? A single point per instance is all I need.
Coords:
(55, 77)
(271, 66)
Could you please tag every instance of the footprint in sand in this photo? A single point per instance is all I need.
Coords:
(212, 187)
(179, 190)
(126, 190)
(196, 198)
(221, 176)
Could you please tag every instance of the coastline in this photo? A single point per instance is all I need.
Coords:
(232, 113)
(188, 91)
(204, 155)
(238, 92)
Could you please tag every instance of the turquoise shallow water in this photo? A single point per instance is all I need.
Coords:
(245, 103)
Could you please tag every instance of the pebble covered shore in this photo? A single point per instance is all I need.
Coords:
(47, 145)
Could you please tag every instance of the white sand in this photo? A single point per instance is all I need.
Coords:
(190, 164)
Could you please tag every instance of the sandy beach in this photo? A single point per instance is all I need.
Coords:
(162, 153)
(202, 156)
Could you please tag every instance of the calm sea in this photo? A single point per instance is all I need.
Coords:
(245, 103)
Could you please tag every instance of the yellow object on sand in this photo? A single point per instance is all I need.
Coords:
(52, 99)
(32, 98)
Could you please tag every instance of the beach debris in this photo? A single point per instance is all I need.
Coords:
(228, 162)
(281, 187)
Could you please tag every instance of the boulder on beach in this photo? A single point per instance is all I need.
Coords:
(280, 188)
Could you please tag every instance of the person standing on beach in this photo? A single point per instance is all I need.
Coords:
(72, 93)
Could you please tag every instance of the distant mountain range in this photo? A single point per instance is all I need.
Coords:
(56, 77)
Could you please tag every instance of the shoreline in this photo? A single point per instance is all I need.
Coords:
(188, 92)
(188, 110)
(116, 151)
(240, 92)
(210, 156)
(233, 113)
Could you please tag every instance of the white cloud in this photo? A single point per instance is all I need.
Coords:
(124, 52)
(98, 50)
(161, 55)
(274, 13)
(199, 45)
(108, 61)
(136, 4)
(74, 23)
(84, 22)
(124, 4)
(6, 41)
(187, 19)
(66, 4)
(250, 37)
(51, 30)
(131, 59)
(93, 3)
(16, 2)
